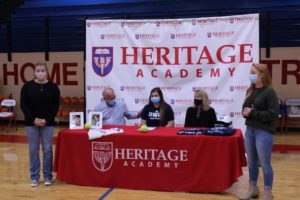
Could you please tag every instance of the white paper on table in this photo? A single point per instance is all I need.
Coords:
(98, 133)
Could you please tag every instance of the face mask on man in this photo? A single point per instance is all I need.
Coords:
(253, 78)
(155, 99)
(40, 75)
(198, 102)
(111, 103)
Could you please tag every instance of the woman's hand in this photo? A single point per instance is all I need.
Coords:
(39, 122)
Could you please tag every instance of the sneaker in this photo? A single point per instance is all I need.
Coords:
(253, 192)
(34, 183)
(267, 196)
(48, 183)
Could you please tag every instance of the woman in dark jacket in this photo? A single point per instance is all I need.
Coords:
(40, 102)
(200, 114)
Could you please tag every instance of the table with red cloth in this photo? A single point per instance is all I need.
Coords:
(157, 160)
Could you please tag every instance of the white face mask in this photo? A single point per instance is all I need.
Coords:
(41, 75)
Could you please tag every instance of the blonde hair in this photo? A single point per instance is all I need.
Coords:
(266, 79)
(203, 95)
(41, 64)
(44, 65)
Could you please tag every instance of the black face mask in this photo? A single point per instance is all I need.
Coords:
(198, 102)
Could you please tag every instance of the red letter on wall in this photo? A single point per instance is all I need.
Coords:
(55, 73)
(13, 73)
(22, 71)
(67, 73)
(286, 73)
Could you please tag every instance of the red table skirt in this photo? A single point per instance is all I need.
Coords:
(157, 160)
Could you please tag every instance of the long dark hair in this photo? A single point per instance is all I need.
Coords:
(162, 104)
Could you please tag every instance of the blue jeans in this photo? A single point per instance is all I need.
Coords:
(37, 135)
(258, 144)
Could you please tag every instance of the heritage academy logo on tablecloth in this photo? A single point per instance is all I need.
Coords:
(103, 156)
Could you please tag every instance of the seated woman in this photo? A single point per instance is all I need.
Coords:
(157, 112)
(201, 114)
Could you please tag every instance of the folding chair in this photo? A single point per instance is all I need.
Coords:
(7, 112)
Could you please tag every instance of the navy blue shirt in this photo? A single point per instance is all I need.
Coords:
(152, 115)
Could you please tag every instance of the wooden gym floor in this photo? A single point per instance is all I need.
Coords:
(14, 176)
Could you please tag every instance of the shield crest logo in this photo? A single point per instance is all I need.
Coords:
(231, 114)
(136, 101)
(137, 36)
(102, 155)
(193, 22)
(102, 60)
(172, 101)
(231, 88)
(172, 36)
(157, 23)
(102, 36)
(209, 34)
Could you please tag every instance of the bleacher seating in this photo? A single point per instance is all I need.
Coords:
(66, 19)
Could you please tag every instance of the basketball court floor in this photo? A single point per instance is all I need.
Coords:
(14, 176)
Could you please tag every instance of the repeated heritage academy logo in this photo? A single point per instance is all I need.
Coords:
(222, 101)
(102, 60)
(132, 88)
(98, 24)
(185, 102)
(238, 88)
(141, 101)
(146, 36)
(220, 34)
(102, 155)
(171, 88)
(96, 87)
(112, 36)
(206, 88)
(132, 23)
(183, 35)
(243, 19)
(206, 21)
(171, 23)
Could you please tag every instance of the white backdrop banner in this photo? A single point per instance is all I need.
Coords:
(178, 55)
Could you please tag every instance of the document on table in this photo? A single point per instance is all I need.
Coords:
(98, 133)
